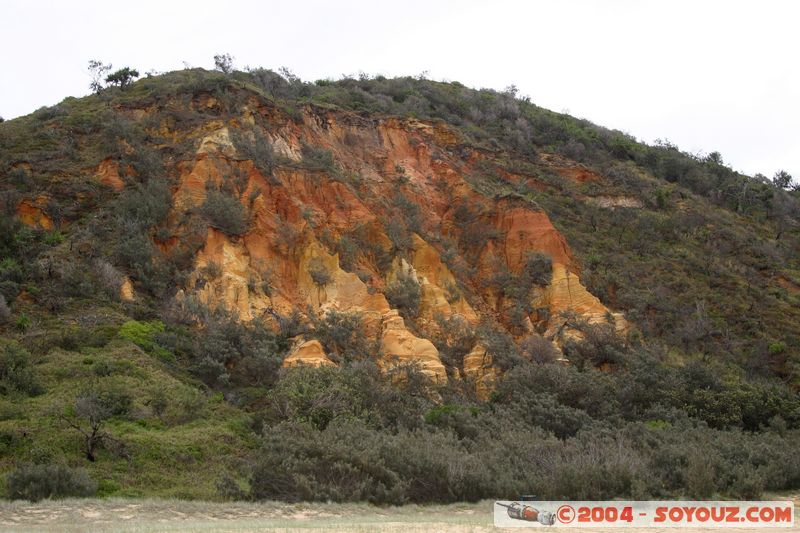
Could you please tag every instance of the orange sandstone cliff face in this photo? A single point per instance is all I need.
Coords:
(387, 171)
(32, 213)
(399, 346)
(480, 370)
(309, 353)
(108, 174)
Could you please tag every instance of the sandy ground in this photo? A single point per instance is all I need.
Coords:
(173, 515)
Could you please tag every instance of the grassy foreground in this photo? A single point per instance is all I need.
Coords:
(149, 515)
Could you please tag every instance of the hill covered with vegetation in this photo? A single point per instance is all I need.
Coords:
(241, 285)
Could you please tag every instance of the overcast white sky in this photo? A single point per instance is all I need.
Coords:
(707, 75)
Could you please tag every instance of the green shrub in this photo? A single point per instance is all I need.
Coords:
(53, 238)
(11, 270)
(16, 374)
(591, 391)
(367, 246)
(5, 312)
(404, 294)
(254, 146)
(9, 289)
(231, 352)
(90, 411)
(437, 466)
(225, 213)
(474, 231)
(109, 277)
(537, 349)
(410, 212)
(229, 489)
(102, 368)
(348, 251)
(158, 402)
(143, 207)
(537, 269)
(399, 235)
(349, 462)
(452, 292)
(342, 335)
(135, 252)
(456, 339)
(546, 412)
(318, 396)
(144, 335)
(23, 322)
(122, 77)
(600, 344)
(340, 464)
(116, 401)
(212, 270)
(73, 338)
(435, 415)
(500, 346)
(38, 482)
(319, 272)
(315, 158)
(777, 348)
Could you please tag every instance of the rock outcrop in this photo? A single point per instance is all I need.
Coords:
(225, 277)
(567, 296)
(126, 291)
(440, 291)
(612, 202)
(108, 174)
(342, 291)
(400, 347)
(309, 353)
(529, 231)
(480, 371)
(32, 213)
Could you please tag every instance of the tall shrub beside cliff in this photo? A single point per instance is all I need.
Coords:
(225, 213)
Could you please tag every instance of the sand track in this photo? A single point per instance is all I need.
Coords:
(129, 515)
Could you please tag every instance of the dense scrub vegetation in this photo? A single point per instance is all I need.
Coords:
(160, 397)
(647, 432)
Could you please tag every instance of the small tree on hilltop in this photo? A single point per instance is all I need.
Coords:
(714, 157)
(223, 63)
(97, 69)
(782, 180)
(122, 77)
